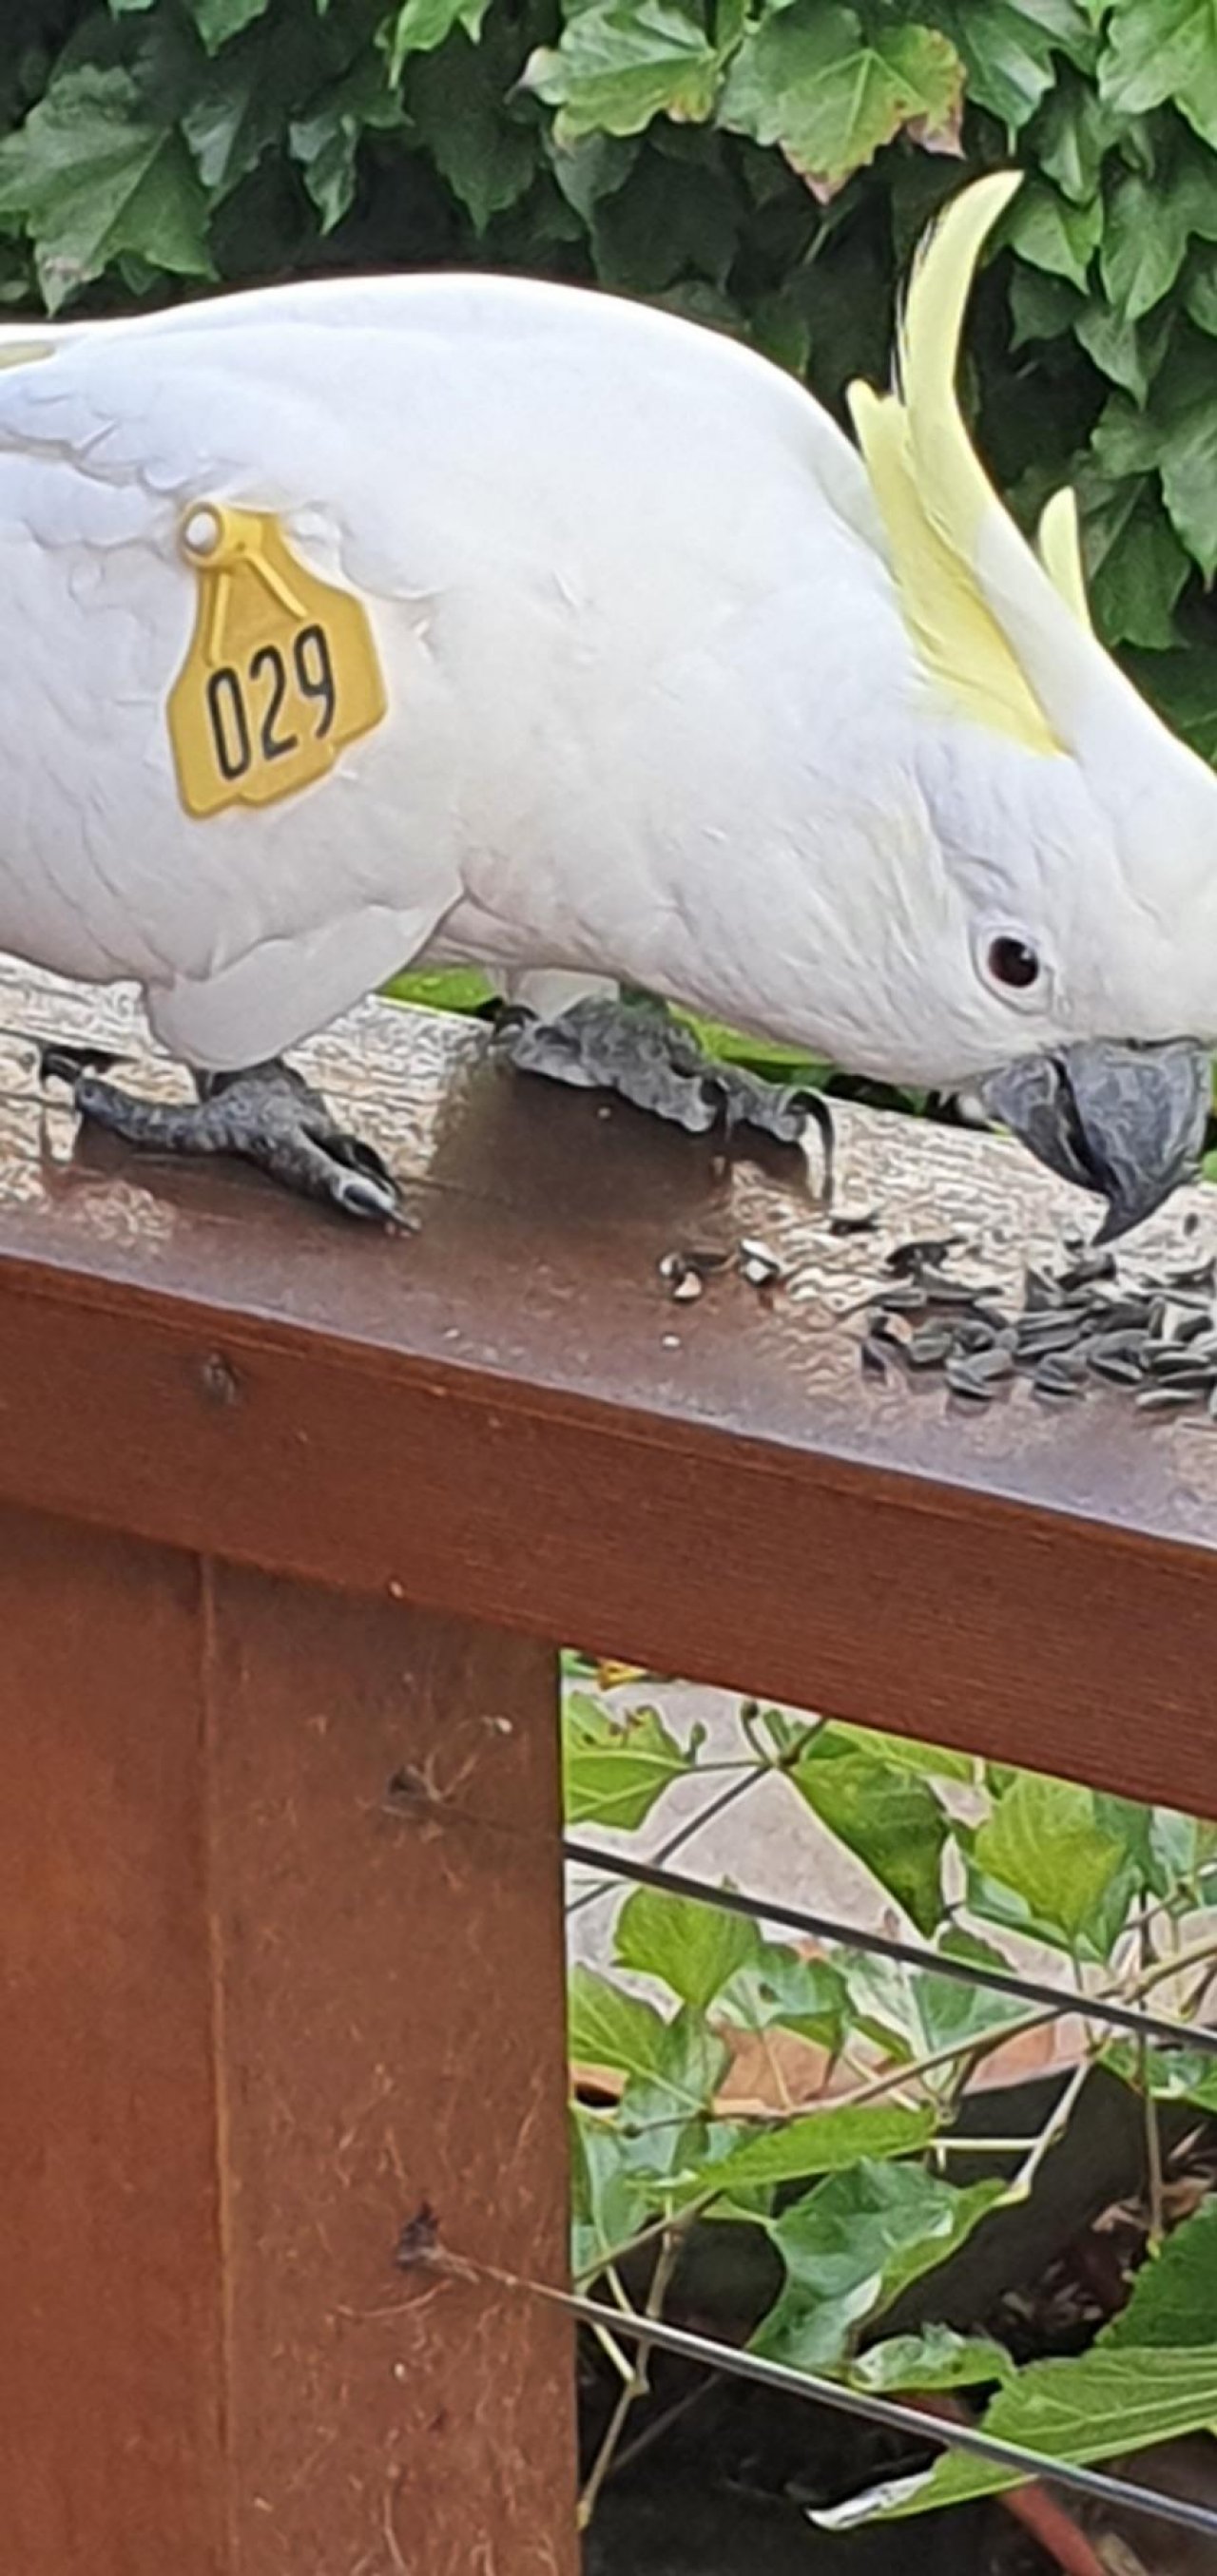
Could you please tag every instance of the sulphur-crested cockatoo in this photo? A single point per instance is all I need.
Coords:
(462, 618)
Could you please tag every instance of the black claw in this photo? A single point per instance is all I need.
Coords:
(360, 1196)
(59, 1062)
(266, 1115)
(358, 1157)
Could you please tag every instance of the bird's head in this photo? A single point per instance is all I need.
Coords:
(1073, 840)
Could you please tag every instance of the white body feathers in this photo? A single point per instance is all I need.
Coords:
(658, 706)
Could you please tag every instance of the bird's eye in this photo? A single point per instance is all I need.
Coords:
(1013, 963)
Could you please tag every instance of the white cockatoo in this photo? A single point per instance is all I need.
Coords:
(479, 619)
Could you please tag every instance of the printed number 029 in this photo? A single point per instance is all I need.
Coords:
(228, 706)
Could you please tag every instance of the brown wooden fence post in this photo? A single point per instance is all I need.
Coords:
(259, 2007)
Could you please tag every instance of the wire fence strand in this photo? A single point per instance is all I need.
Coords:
(908, 1954)
(895, 2417)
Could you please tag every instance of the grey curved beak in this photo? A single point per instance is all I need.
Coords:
(1125, 1121)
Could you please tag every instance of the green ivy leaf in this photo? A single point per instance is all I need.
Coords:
(1189, 480)
(888, 1816)
(692, 1948)
(906, 1753)
(235, 110)
(1042, 306)
(615, 68)
(1170, 2074)
(455, 98)
(99, 169)
(1183, 688)
(219, 20)
(823, 2142)
(325, 143)
(1136, 590)
(1200, 289)
(1177, 433)
(421, 25)
(781, 1986)
(1053, 233)
(1163, 49)
(1007, 47)
(663, 2113)
(1073, 133)
(852, 2245)
(1144, 244)
(938, 2357)
(911, 2013)
(609, 2202)
(1078, 2410)
(1174, 2296)
(678, 220)
(809, 80)
(440, 988)
(617, 1765)
(1136, 570)
(1131, 353)
(1044, 1861)
(608, 2027)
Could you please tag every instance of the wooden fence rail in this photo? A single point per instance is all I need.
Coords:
(291, 1515)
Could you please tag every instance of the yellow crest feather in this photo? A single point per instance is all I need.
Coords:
(933, 493)
(22, 353)
(1058, 544)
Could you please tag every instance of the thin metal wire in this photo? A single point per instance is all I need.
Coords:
(907, 1954)
(888, 2411)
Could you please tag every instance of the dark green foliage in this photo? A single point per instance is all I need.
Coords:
(763, 166)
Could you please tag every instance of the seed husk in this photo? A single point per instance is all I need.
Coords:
(929, 1347)
(1084, 1273)
(984, 1368)
(1120, 1372)
(1154, 1335)
(934, 1249)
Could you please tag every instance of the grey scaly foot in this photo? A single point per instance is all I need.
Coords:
(639, 1051)
(268, 1115)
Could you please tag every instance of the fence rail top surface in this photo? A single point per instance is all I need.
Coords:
(504, 1411)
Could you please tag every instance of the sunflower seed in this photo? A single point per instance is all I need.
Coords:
(1038, 1335)
(930, 1347)
(982, 1368)
(1039, 1292)
(1059, 1375)
(1156, 1399)
(973, 1333)
(1084, 1273)
(905, 1258)
(976, 1390)
(1121, 1372)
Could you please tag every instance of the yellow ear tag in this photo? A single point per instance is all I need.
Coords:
(282, 670)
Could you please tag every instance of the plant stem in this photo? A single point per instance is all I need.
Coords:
(636, 2386)
(751, 1772)
(1153, 2133)
(1054, 2127)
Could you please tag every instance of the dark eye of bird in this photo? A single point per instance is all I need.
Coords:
(1012, 962)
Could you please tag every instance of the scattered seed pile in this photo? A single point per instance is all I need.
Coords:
(1155, 1334)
